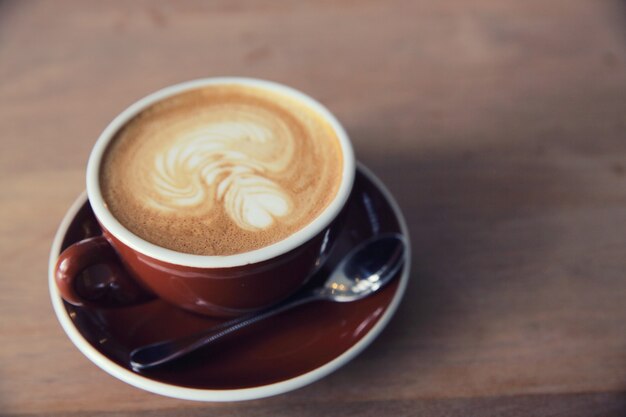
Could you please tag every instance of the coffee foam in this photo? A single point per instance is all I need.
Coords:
(221, 170)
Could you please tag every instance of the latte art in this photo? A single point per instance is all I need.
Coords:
(221, 170)
(210, 165)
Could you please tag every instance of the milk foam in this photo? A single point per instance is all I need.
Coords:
(221, 170)
(216, 154)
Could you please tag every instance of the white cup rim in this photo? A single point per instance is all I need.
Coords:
(291, 242)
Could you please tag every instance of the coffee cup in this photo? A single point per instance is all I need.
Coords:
(221, 196)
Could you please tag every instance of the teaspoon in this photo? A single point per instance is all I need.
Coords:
(362, 272)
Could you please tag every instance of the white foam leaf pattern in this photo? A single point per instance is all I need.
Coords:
(216, 154)
(253, 202)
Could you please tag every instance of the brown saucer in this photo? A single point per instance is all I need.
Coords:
(277, 355)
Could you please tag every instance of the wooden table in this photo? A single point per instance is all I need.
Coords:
(500, 125)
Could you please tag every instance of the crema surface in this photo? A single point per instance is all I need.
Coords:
(221, 170)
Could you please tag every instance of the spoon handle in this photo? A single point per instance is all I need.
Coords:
(148, 356)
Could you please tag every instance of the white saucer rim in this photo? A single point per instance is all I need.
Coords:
(226, 395)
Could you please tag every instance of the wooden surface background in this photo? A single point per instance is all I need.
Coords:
(500, 125)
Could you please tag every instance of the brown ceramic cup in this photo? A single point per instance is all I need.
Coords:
(125, 269)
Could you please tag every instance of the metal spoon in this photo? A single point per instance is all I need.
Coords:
(363, 271)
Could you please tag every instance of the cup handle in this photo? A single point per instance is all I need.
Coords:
(109, 285)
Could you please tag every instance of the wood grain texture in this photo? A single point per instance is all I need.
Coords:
(500, 126)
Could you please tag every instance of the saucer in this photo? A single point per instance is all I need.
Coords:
(274, 356)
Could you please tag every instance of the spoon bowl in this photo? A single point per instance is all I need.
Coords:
(367, 268)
